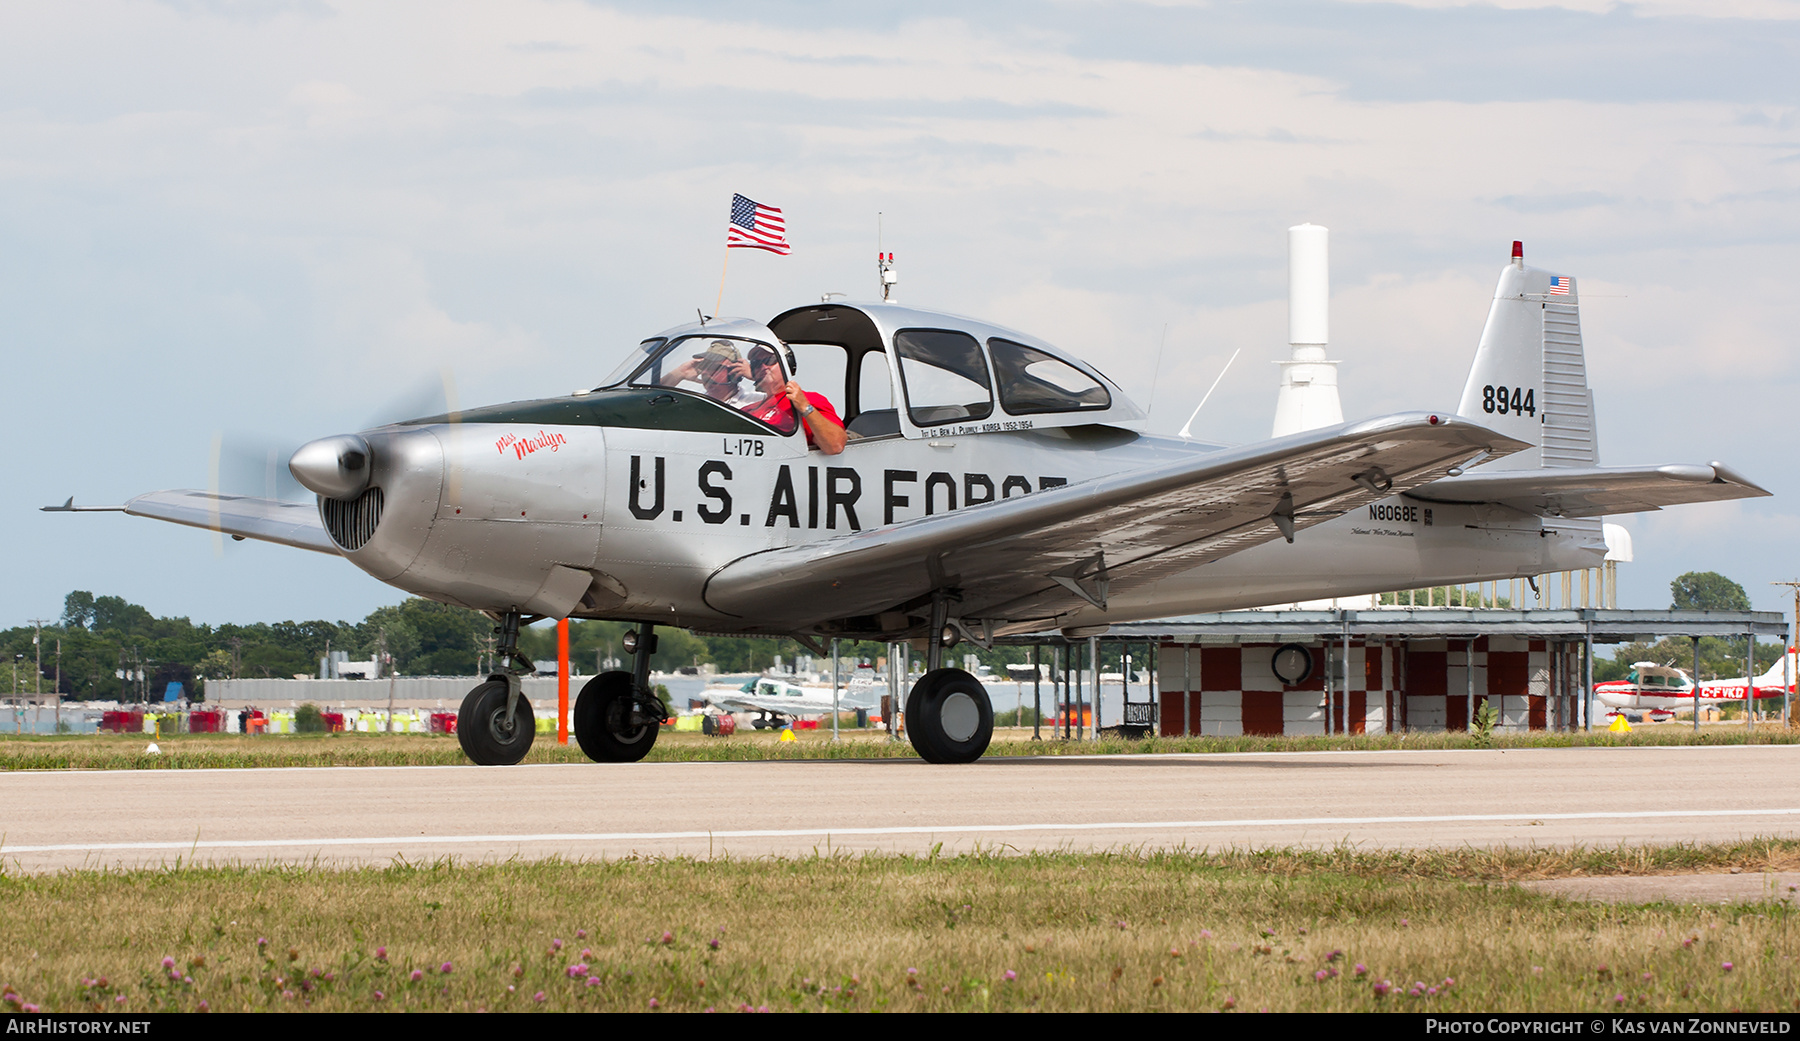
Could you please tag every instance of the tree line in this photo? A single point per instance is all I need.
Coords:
(106, 648)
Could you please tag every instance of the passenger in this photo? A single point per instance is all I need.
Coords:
(784, 397)
(718, 370)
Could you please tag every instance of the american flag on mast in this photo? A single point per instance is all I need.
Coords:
(755, 226)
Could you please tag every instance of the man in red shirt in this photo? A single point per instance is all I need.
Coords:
(785, 398)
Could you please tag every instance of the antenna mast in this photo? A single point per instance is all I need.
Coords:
(884, 265)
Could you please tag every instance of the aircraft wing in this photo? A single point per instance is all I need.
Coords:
(1593, 491)
(1042, 554)
(294, 524)
(740, 702)
(783, 706)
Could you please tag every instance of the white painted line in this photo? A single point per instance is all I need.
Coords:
(920, 829)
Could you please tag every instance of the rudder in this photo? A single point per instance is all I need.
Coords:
(1529, 378)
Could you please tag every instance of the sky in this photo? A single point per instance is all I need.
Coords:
(254, 223)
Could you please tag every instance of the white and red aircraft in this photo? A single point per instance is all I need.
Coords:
(1662, 691)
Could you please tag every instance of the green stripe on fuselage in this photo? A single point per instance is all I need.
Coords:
(643, 408)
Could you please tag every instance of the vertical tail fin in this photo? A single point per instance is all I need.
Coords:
(1782, 673)
(1529, 379)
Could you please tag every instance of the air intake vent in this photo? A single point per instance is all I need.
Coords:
(352, 523)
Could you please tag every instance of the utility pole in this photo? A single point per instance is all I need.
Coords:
(37, 644)
(389, 662)
(1787, 658)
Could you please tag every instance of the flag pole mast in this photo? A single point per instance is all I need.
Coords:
(720, 302)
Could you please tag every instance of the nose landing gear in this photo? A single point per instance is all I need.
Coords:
(491, 732)
(495, 726)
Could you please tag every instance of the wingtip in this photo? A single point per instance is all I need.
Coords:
(69, 506)
(1727, 475)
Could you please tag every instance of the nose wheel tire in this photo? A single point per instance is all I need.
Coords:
(604, 727)
(949, 717)
(487, 736)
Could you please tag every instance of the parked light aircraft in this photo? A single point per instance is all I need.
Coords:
(1662, 690)
(776, 699)
(1656, 690)
(991, 484)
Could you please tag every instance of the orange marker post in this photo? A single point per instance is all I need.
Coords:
(562, 681)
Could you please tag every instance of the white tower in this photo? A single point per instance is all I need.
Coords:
(1309, 389)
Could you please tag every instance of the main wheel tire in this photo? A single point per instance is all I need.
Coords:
(602, 710)
(949, 717)
(487, 736)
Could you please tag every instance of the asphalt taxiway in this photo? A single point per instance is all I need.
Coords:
(1414, 799)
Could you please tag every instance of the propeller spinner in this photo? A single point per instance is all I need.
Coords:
(335, 467)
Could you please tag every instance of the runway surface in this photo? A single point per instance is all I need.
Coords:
(375, 815)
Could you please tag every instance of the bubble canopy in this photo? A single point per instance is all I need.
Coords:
(891, 370)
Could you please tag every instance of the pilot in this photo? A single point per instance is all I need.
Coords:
(719, 370)
(784, 398)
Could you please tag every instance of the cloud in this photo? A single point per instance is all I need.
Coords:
(1744, 9)
(242, 215)
(1556, 202)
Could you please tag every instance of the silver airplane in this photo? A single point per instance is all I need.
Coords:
(984, 483)
(775, 699)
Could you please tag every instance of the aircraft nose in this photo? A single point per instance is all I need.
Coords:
(335, 467)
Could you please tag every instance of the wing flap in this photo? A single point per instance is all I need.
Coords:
(295, 524)
(1051, 550)
(1593, 491)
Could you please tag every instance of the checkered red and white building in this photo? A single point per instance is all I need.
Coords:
(1231, 688)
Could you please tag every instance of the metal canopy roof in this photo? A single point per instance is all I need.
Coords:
(1439, 623)
(1459, 623)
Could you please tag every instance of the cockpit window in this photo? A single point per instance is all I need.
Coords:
(634, 361)
(1033, 382)
(945, 376)
(747, 375)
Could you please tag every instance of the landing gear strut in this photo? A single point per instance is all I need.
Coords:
(617, 717)
(495, 726)
(948, 714)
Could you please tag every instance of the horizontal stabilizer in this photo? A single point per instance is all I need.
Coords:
(295, 524)
(1593, 491)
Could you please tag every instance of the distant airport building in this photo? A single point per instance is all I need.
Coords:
(1392, 670)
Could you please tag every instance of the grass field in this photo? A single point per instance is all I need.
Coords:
(196, 751)
(1302, 931)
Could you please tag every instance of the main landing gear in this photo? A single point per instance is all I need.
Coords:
(495, 727)
(617, 717)
(948, 715)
